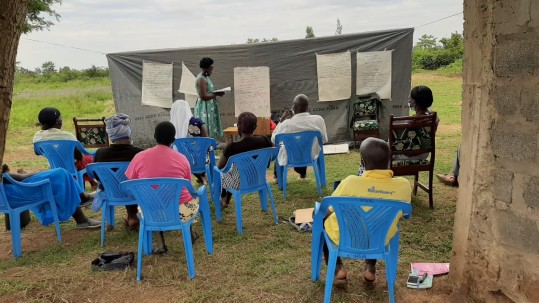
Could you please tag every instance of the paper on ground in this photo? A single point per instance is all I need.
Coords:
(427, 283)
(336, 149)
(304, 215)
(432, 269)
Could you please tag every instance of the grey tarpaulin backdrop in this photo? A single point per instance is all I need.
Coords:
(292, 71)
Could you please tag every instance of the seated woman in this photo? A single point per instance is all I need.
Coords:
(187, 125)
(248, 142)
(121, 150)
(66, 191)
(420, 101)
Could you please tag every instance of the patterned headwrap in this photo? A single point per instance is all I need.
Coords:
(118, 127)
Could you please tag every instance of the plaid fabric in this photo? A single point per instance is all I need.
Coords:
(365, 125)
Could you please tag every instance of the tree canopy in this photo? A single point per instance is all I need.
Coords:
(309, 32)
(36, 18)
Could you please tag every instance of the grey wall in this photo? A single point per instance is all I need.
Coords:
(292, 71)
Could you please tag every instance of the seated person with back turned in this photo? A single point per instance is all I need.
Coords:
(66, 191)
(162, 161)
(248, 142)
(51, 129)
(121, 150)
(299, 120)
(375, 155)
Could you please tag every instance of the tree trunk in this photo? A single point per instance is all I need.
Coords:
(12, 18)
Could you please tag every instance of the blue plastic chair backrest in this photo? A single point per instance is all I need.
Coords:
(33, 193)
(59, 153)
(252, 167)
(159, 199)
(364, 231)
(110, 175)
(299, 146)
(195, 150)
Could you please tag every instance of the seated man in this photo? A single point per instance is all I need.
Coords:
(162, 161)
(375, 155)
(299, 120)
(66, 191)
(51, 129)
(121, 150)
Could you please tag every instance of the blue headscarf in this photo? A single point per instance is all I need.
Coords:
(118, 127)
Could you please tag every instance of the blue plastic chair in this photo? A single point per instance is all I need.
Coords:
(159, 200)
(362, 236)
(109, 176)
(195, 150)
(39, 194)
(60, 154)
(252, 167)
(299, 151)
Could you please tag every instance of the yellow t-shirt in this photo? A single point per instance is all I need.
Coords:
(378, 184)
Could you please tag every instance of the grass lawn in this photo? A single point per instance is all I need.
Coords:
(268, 263)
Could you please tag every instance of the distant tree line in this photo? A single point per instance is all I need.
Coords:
(428, 53)
(49, 73)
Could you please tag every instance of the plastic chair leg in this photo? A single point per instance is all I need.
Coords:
(285, 180)
(263, 199)
(15, 226)
(206, 229)
(237, 202)
(56, 220)
(188, 245)
(103, 224)
(216, 195)
(317, 177)
(111, 216)
(141, 242)
(330, 275)
(272, 201)
(316, 255)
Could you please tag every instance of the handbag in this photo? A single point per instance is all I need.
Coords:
(113, 261)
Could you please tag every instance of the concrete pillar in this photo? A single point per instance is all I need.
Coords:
(496, 233)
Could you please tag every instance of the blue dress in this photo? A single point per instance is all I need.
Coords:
(65, 189)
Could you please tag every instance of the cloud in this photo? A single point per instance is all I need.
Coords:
(122, 25)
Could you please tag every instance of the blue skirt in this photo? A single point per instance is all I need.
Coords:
(65, 189)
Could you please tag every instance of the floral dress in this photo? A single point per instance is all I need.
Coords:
(208, 111)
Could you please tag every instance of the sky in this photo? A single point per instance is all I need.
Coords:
(108, 26)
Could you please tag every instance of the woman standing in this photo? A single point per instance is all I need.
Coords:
(206, 107)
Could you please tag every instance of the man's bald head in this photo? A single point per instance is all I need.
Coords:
(375, 153)
(301, 104)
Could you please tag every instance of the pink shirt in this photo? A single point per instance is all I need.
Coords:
(161, 162)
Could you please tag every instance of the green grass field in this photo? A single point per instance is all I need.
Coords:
(268, 263)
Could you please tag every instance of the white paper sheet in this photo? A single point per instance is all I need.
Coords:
(374, 73)
(336, 149)
(334, 73)
(223, 90)
(187, 82)
(157, 84)
(252, 91)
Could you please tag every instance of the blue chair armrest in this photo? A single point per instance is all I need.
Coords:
(7, 177)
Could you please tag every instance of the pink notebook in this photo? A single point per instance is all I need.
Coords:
(433, 269)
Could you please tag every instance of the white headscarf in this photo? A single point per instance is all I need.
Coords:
(180, 114)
